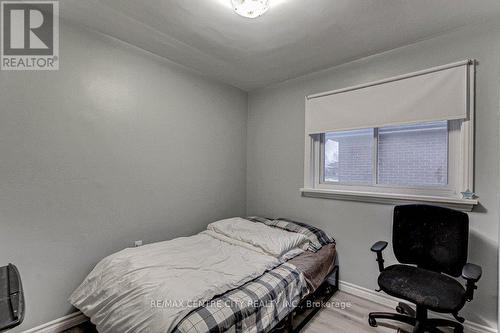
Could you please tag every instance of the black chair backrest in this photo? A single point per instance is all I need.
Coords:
(434, 238)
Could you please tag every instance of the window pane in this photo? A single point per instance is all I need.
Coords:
(348, 157)
(413, 155)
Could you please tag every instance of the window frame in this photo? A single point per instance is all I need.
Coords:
(460, 174)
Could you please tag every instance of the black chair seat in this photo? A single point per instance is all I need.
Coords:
(433, 290)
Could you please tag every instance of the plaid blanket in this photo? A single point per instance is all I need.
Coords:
(317, 237)
(257, 306)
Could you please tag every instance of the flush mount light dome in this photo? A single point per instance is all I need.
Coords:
(250, 8)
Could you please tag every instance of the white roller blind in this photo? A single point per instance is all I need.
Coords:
(440, 93)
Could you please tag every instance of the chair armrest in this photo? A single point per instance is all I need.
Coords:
(379, 246)
(472, 272)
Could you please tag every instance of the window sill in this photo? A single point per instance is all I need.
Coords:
(389, 198)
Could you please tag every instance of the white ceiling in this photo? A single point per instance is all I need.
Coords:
(295, 37)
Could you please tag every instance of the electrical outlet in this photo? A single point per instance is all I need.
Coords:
(138, 243)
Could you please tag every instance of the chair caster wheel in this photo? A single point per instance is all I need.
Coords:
(400, 310)
(372, 322)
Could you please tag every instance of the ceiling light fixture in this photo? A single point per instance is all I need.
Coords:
(250, 8)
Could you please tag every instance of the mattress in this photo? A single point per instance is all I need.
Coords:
(316, 266)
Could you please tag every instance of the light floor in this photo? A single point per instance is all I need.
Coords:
(337, 317)
(354, 318)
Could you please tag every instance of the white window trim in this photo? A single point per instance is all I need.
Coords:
(461, 178)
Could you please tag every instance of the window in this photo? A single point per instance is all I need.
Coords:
(348, 157)
(415, 156)
(411, 139)
(421, 162)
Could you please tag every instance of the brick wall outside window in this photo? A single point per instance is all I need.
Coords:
(413, 157)
(354, 162)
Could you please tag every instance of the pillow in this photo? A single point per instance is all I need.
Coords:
(283, 258)
(235, 242)
(317, 237)
(273, 241)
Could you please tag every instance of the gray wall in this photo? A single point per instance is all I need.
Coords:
(116, 146)
(276, 147)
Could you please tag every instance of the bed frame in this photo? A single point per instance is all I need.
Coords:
(300, 316)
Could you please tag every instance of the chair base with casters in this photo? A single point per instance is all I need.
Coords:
(430, 244)
(418, 319)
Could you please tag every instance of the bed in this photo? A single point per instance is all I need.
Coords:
(240, 275)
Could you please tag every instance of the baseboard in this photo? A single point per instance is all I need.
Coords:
(392, 302)
(60, 324)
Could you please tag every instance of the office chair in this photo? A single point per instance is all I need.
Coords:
(431, 245)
